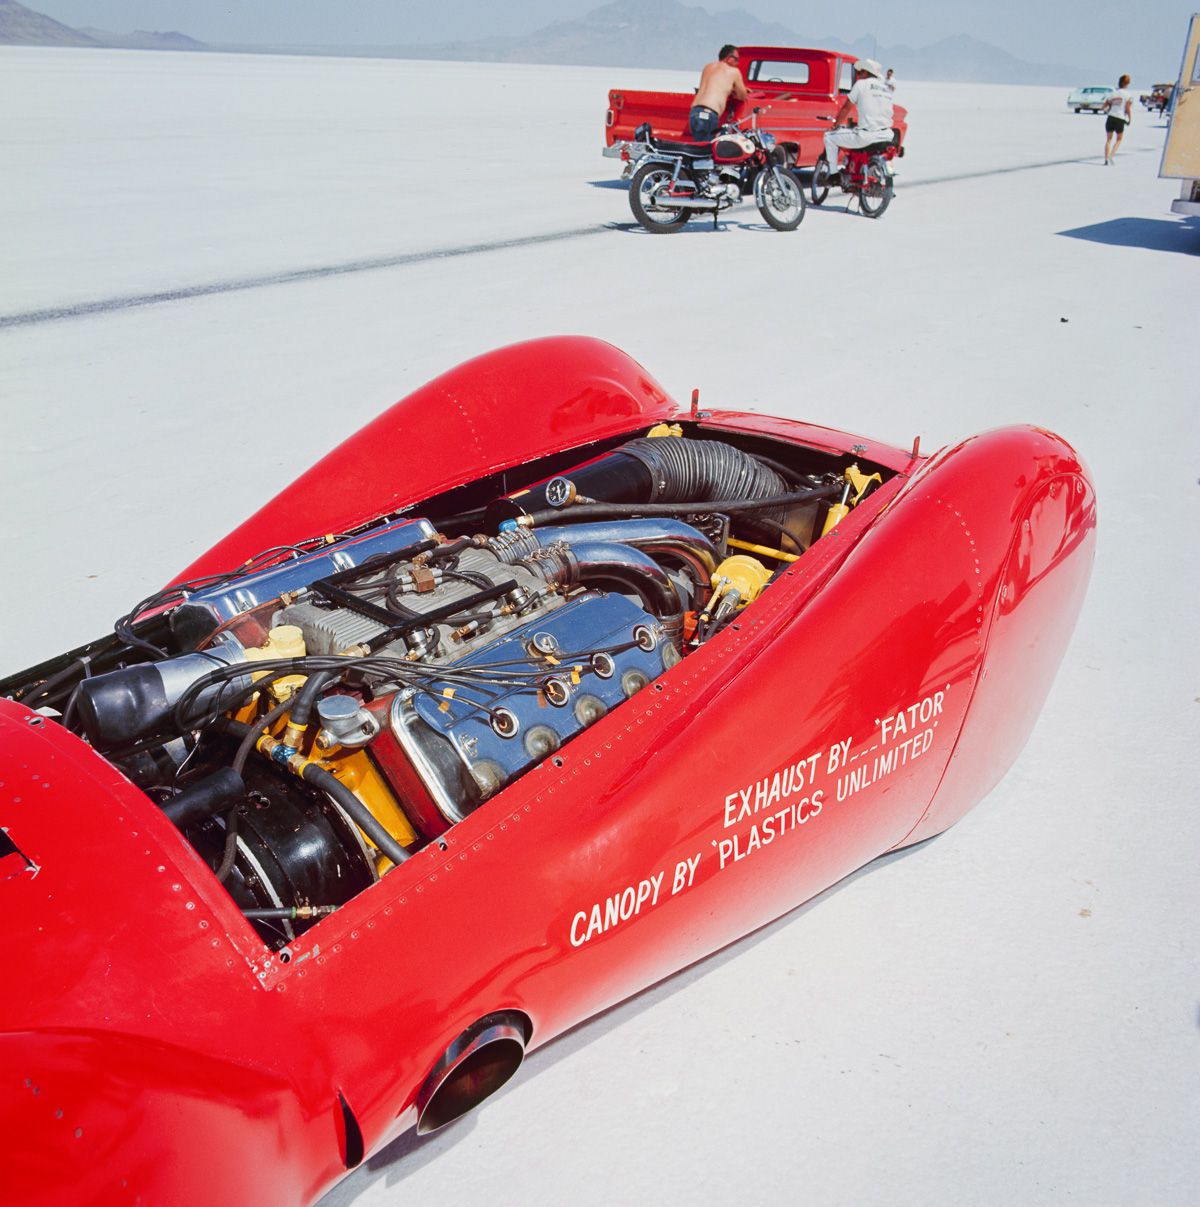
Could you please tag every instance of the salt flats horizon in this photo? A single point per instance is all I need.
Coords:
(222, 265)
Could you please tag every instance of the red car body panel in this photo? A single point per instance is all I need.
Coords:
(491, 413)
(153, 1049)
(797, 114)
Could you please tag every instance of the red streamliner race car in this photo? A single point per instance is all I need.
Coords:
(534, 691)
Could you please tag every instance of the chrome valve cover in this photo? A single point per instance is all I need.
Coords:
(582, 659)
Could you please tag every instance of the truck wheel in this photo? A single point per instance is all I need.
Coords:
(647, 181)
(876, 193)
(820, 181)
(779, 198)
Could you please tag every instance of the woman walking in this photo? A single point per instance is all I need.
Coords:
(1119, 107)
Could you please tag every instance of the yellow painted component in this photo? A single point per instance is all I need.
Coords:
(288, 686)
(859, 482)
(777, 554)
(665, 429)
(837, 513)
(745, 575)
(448, 692)
(283, 641)
(355, 769)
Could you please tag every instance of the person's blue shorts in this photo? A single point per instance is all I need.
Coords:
(703, 121)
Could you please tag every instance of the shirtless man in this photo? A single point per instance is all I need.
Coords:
(717, 82)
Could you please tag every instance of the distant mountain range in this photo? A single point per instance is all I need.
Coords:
(625, 33)
(144, 39)
(21, 26)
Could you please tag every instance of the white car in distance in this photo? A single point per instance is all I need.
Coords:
(1092, 99)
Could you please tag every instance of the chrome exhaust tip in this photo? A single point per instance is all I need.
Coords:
(471, 1069)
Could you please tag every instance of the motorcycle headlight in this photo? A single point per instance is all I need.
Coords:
(768, 139)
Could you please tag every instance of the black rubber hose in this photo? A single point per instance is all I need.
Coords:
(465, 520)
(778, 530)
(362, 817)
(302, 701)
(47, 686)
(69, 711)
(229, 854)
(254, 732)
(793, 476)
(207, 796)
(610, 511)
(450, 549)
(474, 577)
(225, 700)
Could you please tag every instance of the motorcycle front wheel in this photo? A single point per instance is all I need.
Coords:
(649, 180)
(877, 190)
(779, 198)
(820, 181)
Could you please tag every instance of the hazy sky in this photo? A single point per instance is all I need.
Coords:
(1144, 37)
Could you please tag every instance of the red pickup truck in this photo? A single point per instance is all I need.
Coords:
(799, 92)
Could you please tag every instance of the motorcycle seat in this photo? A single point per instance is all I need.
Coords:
(698, 149)
(884, 144)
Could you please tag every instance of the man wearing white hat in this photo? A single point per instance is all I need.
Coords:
(872, 98)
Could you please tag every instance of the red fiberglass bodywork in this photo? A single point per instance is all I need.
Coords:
(154, 1048)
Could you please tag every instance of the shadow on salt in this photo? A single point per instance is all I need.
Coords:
(1154, 234)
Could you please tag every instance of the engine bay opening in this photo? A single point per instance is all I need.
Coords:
(313, 718)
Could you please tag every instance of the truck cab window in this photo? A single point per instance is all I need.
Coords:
(846, 76)
(776, 71)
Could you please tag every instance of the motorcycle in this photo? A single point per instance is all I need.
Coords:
(678, 179)
(865, 175)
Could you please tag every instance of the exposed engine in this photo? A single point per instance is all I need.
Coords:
(311, 721)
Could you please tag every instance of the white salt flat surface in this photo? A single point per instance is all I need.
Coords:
(1006, 1015)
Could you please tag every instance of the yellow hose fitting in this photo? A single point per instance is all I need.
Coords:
(666, 429)
(293, 735)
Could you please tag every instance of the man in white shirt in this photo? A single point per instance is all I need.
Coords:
(1119, 107)
(890, 80)
(872, 98)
